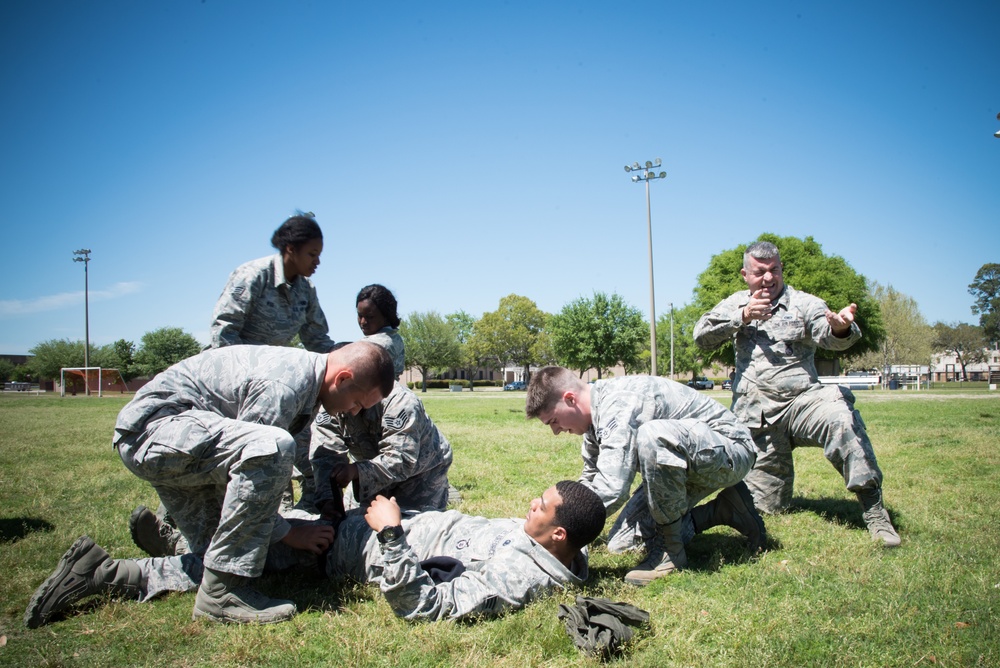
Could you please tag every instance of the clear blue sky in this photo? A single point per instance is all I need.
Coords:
(460, 152)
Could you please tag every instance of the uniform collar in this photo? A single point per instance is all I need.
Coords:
(784, 299)
(279, 271)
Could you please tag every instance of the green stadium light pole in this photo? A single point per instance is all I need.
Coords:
(648, 176)
(83, 255)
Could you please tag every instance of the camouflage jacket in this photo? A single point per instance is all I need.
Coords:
(262, 384)
(389, 338)
(273, 386)
(391, 442)
(504, 567)
(619, 406)
(775, 359)
(259, 307)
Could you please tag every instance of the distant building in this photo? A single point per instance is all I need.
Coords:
(946, 368)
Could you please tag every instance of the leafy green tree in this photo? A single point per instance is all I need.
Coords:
(125, 354)
(543, 351)
(23, 374)
(908, 337)
(806, 268)
(597, 333)
(641, 363)
(120, 355)
(966, 342)
(986, 289)
(510, 335)
(55, 354)
(689, 359)
(463, 324)
(162, 348)
(6, 370)
(431, 343)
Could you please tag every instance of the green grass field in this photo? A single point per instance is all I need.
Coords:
(822, 595)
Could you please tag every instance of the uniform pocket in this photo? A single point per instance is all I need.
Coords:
(792, 329)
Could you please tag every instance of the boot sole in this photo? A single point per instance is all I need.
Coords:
(200, 614)
(33, 617)
(133, 529)
(642, 582)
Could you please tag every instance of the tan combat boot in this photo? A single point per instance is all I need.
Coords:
(877, 518)
(666, 555)
(224, 597)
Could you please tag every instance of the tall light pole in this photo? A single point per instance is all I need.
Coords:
(83, 255)
(671, 340)
(648, 176)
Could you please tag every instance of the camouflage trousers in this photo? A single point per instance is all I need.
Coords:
(427, 490)
(683, 461)
(353, 555)
(303, 472)
(635, 527)
(220, 479)
(822, 416)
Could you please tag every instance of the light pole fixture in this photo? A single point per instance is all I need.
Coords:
(83, 255)
(649, 175)
(997, 133)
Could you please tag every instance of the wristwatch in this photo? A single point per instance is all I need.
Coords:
(389, 534)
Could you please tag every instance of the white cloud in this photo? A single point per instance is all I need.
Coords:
(15, 307)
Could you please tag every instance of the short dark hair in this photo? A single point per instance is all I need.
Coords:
(384, 301)
(296, 231)
(546, 387)
(371, 364)
(581, 513)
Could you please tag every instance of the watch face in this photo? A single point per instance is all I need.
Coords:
(389, 533)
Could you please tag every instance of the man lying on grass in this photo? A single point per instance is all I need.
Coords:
(432, 565)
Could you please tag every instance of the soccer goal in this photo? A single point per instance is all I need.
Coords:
(92, 376)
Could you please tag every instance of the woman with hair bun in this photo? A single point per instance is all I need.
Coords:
(270, 300)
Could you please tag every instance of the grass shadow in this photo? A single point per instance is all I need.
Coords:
(314, 592)
(844, 511)
(706, 553)
(13, 529)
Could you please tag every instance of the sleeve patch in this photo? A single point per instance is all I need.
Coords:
(396, 422)
(607, 429)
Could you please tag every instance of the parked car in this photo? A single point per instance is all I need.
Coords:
(701, 383)
(516, 385)
(727, 384)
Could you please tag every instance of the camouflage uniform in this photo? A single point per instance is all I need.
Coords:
(259, 307)
(397, 449)
(778, 394)
(685, 444)
(389, 338)
(505, 568)
(212, 435)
